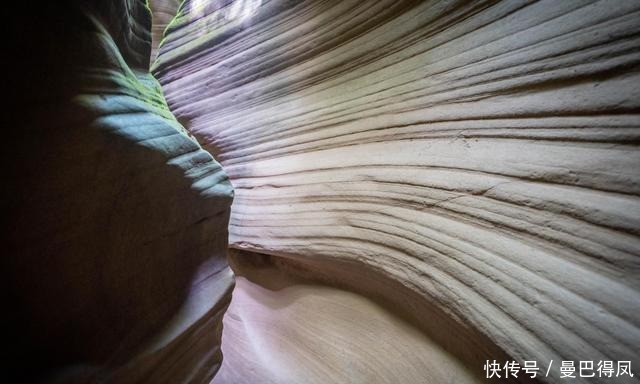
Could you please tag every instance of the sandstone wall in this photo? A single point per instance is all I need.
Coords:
(481, 156)
(115, 266)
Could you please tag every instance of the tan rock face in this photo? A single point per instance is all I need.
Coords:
(115, 268)
(162, 12)
(483, 156)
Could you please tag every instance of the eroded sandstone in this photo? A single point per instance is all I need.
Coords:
(483, 155)
(116, 264)
(461, 176)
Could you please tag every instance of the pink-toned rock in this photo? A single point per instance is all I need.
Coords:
(481, 155)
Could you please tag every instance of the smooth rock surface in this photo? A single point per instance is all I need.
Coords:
(162, 13)
(115, 266)
(484, 155)
(298, 331)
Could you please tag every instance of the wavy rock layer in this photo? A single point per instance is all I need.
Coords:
(116, 268)
(483, 155)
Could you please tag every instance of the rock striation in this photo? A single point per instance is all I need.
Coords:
(281, 328)
(115, 266)
(474, 163)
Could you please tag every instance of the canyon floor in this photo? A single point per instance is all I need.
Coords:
(285, 329)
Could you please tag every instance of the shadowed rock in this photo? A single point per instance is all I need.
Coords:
(116, 266)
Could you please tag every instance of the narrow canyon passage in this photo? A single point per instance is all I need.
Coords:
(318, 191)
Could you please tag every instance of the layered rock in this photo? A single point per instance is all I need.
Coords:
(482, 157)
(116, 266)
(281, 328)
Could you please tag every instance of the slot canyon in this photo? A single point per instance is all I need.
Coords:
(322, 191)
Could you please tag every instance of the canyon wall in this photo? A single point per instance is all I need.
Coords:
(115, 266)
(474, 164)
(471, 169)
